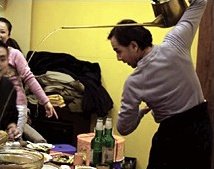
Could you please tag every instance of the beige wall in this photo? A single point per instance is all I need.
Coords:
(19, 14)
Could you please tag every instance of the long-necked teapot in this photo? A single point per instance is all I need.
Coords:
(167, 12)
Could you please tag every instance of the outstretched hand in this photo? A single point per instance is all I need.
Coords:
(50, 111)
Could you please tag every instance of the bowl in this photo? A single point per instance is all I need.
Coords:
(20, 158)
(3, 137)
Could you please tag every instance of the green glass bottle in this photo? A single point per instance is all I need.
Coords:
(96, 144)
(108, 144)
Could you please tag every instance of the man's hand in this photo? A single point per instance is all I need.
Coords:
(144, 111)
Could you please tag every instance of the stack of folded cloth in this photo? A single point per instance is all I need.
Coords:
(57, 100)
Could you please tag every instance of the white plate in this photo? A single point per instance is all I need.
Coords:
(47, 157)
(84, 167)
(46, 166)
(33, 145)
(13, 144)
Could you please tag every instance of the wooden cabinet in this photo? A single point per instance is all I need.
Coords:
(63, 130)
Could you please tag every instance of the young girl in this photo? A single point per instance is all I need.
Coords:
(20, 72)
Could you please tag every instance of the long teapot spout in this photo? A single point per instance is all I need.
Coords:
(158, 22)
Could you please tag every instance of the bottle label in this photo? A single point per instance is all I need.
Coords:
(91, 157)
(107, 155)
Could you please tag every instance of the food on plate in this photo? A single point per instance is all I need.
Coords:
(47, 157)
(63, 159)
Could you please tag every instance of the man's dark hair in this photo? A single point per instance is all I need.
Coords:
(7, 22)
(125, 34)
(4, 45)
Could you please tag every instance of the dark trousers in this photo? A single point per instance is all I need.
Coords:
(183, 141)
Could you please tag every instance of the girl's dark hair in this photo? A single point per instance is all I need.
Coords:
(12, 42)
(125, 34)
(7, 22)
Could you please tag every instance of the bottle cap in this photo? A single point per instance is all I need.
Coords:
(108, 124)
(99, 125)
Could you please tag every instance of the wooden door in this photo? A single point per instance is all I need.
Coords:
(205, 59)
